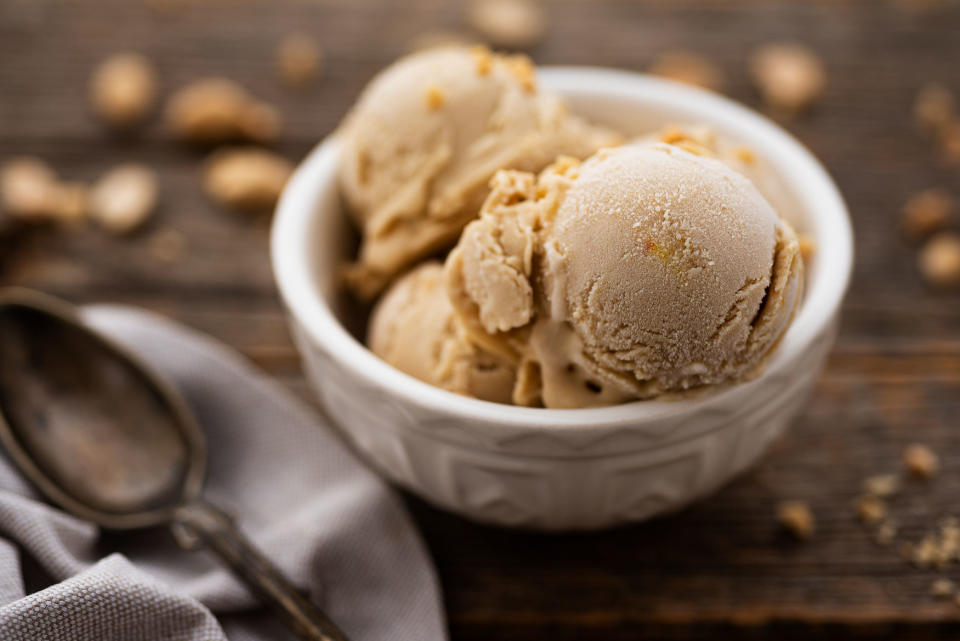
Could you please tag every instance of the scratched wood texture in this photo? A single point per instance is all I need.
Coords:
(718, 570)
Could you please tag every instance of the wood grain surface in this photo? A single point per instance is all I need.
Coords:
(718, 570)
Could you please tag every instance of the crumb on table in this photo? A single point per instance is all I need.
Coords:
(926, 212)
(796, 518)
(939, 260)
(921, 461)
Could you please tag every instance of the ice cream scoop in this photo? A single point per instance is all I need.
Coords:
(645, 270)
(423, 141)
(413, 328)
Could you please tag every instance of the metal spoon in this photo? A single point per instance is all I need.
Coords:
(108, 440)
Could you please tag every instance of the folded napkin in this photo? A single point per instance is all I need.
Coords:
(333, 527)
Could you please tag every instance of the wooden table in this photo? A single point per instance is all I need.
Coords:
(718, 570)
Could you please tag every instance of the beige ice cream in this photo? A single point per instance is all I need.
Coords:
(645, 270)
(413, 328)
(423, 141)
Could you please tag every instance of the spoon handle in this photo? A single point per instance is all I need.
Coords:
(202, 523)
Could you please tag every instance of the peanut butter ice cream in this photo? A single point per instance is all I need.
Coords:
(645, 270)
(413, 328)
(423, 141)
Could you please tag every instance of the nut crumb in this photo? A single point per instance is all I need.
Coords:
(920, 461)
(927, 212)
(511, 24)
(938, 549)
(933, 108)
(434, 97)
(689, 68)
(745, 155)
(939, 260)
(216, 110)
(790, 77)
(695, 149)
(123, 90)
(934, 553)
(696, 140)
(922, 554)
(943, 588)
(882, 485)
(871, 510)
(167, 245)
(246, 178)
(808, 246)
(483, 60)
(299, 60)
(672, 135)
(885, 533)
(796, 518)
(523, 70)
(124, 198)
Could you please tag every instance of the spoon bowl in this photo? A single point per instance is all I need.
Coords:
(92, 427)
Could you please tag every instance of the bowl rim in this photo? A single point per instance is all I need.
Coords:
(293, 264)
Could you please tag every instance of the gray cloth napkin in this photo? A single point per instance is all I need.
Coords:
(328, 522)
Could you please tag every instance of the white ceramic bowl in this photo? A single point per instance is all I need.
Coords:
(564, 469)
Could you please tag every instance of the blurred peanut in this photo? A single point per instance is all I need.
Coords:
(246, 178)
(511, 24)
(689, 68)
(796, 518)
(920, 461)
(926, 212)
(790, 77)
(299, 60)
(124, 198)
(939, 260)
(28, 189)
(217, 110)
(933, 108)
(123, 90)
